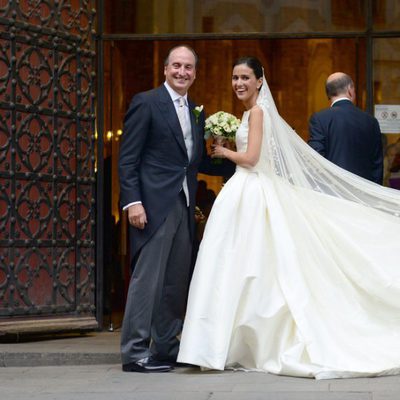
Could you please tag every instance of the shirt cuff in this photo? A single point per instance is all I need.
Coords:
(131, 204)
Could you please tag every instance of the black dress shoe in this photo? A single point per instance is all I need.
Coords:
(147, 364)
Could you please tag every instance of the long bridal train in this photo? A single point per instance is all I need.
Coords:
(298, 272)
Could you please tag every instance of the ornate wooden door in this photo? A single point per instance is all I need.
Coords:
(47, 165)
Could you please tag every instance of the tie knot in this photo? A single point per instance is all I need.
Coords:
(181, 102)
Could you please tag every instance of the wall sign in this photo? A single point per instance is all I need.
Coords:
(388, 117)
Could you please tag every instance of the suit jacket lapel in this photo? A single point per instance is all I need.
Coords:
(168, 112)
(194, 126)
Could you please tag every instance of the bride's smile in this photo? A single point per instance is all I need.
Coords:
(245, 85)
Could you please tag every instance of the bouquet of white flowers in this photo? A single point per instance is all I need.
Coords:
(221, 125)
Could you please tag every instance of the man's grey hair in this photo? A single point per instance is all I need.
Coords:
(196, 57)
(338, 86)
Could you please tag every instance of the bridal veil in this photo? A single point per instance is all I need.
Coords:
(295, 161)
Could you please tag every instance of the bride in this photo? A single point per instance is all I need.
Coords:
(298, 272)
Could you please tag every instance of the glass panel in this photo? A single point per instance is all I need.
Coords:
(387, 92)
(235, 16)
(386, 15)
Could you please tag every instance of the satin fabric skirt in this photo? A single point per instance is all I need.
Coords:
(294, 282)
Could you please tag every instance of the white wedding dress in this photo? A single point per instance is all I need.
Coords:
(293, 281)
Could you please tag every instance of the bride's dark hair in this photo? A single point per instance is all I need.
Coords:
(253, 63)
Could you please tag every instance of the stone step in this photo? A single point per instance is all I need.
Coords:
(67, 349)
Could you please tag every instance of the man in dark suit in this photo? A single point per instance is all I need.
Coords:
(161, 150)
(344, 134)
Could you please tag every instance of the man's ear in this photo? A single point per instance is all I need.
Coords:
(351, 92)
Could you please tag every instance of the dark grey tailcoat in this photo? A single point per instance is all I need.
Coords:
(153, 159)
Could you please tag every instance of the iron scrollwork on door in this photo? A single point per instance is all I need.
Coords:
(47, 158)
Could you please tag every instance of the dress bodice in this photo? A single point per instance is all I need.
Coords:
(242, 135)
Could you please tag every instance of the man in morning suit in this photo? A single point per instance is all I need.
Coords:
(344, 134)
(161, 151)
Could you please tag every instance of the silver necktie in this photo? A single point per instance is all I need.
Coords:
(187, 136)
(183, 118)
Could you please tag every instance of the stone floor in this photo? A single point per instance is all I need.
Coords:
(87, 367)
